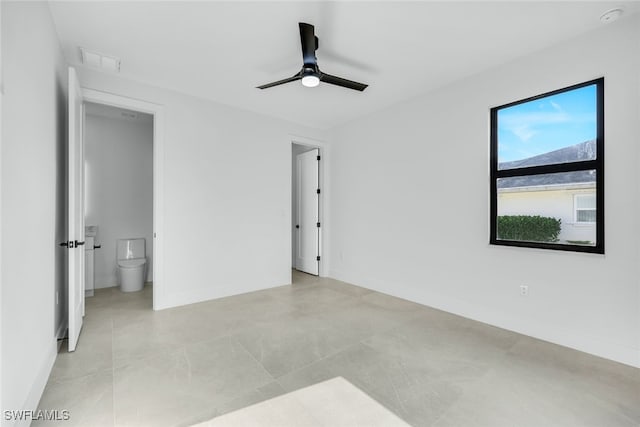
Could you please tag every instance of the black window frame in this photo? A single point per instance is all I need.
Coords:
(597, 165)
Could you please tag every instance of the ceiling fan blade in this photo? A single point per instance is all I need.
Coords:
(280, 82)
(339, 81)
(309, 43)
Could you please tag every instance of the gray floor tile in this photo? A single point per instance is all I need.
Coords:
(604, 383)
(169, 388)
(93, 354)
(409, 389)
(514, 395)
(89, 400)
(177, 367)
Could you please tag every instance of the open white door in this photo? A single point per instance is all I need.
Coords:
(308, 222)
(75, 210)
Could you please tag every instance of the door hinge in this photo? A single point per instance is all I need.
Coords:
(318, 258)
(318, 224)
(318, 158)
(318, 191)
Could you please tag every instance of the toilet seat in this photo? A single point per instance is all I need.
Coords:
(131, 263)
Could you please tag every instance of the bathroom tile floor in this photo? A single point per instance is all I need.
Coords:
(181, 366)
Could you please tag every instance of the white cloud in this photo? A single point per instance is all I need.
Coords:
(526, 125)
(523, 132)
(556, 106)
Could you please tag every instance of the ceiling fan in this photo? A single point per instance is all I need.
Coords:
(310, 73)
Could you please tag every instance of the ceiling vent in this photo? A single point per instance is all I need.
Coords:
(98, 60)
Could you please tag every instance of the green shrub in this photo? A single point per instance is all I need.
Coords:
(528, 228)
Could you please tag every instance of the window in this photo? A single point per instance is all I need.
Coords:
(585, 208)
(547, 170)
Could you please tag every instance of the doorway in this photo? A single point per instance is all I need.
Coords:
(118, 187)
(156, 111)
(78, 98)
(305, 208)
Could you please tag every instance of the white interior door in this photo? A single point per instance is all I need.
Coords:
(307, 256)
(75, 210)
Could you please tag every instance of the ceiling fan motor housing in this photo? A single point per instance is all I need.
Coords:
(310, 69)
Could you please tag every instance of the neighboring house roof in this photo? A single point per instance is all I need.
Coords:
(583, 151)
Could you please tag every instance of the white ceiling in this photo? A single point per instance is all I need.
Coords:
(222, 50)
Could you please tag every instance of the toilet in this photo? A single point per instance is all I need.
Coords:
(132, 262)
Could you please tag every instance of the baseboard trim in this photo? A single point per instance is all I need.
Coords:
(104, 286)
(207, 294)
(39, 383)
(576, 340)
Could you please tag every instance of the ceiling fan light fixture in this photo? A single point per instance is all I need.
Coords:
(310, 80)
(310, 75)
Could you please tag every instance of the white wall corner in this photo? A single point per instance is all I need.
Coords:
(39, 383)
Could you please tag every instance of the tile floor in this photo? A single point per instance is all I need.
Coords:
(178, 367)
(329, 403)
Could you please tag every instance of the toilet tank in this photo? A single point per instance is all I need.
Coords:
(130, 248)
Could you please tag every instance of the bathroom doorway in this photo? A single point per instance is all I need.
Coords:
(147, 115)
(118, 195)
(79, 99)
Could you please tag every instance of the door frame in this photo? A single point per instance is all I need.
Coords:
(105, 98)
(1, 144)
(323, 200)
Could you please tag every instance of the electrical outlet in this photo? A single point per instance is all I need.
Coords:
(524, 290)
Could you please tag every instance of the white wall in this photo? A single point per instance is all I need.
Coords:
(417, 225)
(33, 141)
(119, 188)
(1, 102)
(227, 194)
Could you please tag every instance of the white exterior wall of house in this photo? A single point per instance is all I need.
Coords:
(549, 202)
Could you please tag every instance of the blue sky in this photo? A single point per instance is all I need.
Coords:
(547, 124)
